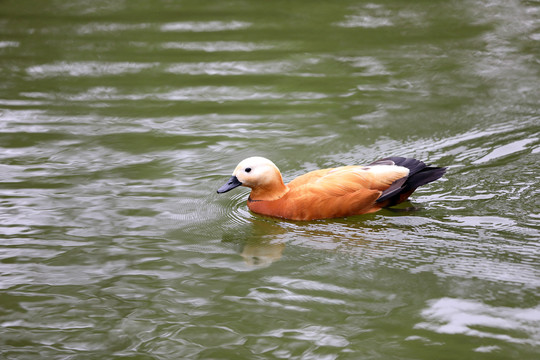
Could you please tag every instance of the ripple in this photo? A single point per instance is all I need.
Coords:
(374, 16)
(205, 26)
(218, 46)
(86, 68)
(319, 335)
(506, 150)
(364, 21)
(371, 66)
(192, 94)
(6, 44)
(21, 103)
(94, 28)
(311, 285)
(482, 221)
(467, 263)
(236, 209)
(232, 68)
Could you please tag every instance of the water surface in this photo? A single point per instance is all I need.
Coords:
(119, 120)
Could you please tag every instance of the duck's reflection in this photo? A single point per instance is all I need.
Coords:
(260, 252)
(260, 242)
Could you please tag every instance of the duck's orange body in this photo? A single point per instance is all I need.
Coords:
(330, 193)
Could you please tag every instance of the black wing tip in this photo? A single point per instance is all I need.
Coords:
(419, 174)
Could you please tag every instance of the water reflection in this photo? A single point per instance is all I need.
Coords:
(208, 26)
(93, 28)
(233, 68)
(261, 242)
(370, 16)
(4, 44)
(477, 319)
(93, 69)
(218, 46)
(257, 253)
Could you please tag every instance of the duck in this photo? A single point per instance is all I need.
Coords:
(333, 192)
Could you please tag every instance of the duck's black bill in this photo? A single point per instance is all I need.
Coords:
(231, 184)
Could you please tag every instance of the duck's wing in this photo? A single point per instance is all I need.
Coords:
(309, 178)
(377, 176)
(346, 179)
(419, 174)
(341, 191)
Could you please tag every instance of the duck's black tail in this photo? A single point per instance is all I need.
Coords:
(419, 174)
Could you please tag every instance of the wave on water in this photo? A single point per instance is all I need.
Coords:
(477, 319)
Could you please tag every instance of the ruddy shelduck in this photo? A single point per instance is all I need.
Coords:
(330, 193)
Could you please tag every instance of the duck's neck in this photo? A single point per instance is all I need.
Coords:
(269, 192)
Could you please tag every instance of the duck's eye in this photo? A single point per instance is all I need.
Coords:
(248, 170)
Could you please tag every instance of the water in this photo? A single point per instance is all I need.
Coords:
(119, 120)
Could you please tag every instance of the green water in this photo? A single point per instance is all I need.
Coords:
(120, 119)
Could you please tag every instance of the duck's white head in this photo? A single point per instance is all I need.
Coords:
(257, 173)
